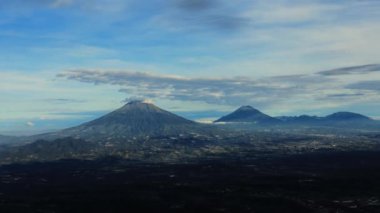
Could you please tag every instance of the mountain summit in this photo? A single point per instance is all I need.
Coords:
(248, 114)
(139, 115)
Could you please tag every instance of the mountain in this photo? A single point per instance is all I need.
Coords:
(350, 120)
(347, 116)
(302, 119)
(138, 130)
(248, 114)
(3, 139)
(143, 131)
(40, 150)
(140, 115)
(338, 119)
(6, 139)
(134, 119)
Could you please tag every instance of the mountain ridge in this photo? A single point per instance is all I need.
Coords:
(144, 119)
(143, 131)
(248, 114)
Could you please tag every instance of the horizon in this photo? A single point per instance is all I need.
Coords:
(65, 62)
(187, 115)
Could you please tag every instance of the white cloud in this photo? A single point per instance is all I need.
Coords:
(222, 91)
(272, 12)
(299, 50)
(295, 92)
(30, 124)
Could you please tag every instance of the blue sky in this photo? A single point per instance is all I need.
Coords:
(63, 62)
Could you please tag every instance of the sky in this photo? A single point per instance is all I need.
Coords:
(64, 62)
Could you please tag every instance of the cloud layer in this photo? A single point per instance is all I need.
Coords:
(214, 91)
(365, 85)
(318, 89)
(363, 69)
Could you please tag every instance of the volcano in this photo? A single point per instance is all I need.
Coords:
(135, 129)
(248, 114)
(134, 119)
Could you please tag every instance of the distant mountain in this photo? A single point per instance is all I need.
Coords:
(303, 119)
(134, 119)
(3, 139)
(6, 139)
(338, 119)
(347, 116)
(248, 114)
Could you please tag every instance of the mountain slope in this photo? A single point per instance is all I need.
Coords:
(40, 150)
(7, 139)
(248, 114)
